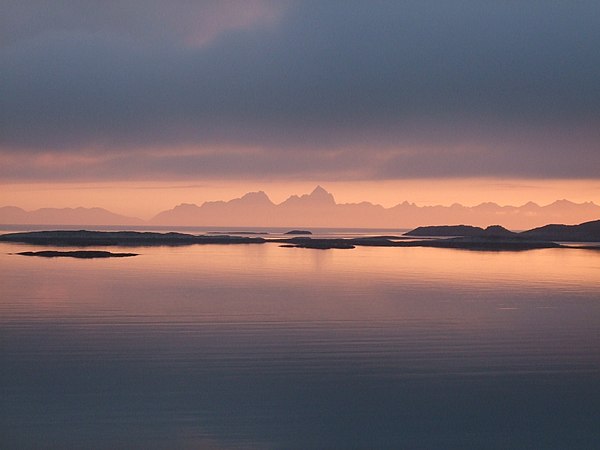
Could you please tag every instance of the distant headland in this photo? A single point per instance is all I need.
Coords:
(584, 232)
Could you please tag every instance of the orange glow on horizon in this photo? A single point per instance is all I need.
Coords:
(145, 199)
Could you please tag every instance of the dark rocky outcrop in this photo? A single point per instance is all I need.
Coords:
(460, 230)
(496, 231)
(584, 232)
(299, 232)
(482, 243)
(85, 238)
(492, 238)
(82, 254)
(445, 231)
(319, 244)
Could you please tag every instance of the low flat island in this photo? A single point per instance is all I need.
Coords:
(82, 254)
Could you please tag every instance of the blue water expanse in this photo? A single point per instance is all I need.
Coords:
(257, 346)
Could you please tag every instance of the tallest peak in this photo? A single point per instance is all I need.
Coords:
(319, 190)
(321, 195)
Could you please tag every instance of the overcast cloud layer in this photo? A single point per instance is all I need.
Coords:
(325, 89)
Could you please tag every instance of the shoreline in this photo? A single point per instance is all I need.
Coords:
(83, 238)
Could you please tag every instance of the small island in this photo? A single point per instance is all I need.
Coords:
(319, 244)
(82, 254)
(252, 233)
(298, 232)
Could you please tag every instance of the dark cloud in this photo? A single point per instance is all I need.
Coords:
(339, 89)
(155, 22)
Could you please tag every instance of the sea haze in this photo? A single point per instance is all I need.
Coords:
(317, 209)
(266, 347)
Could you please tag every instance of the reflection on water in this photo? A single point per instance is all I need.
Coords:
(265, 347)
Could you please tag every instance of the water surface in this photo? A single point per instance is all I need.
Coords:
(257, 346)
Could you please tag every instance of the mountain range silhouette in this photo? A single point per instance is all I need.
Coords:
(318, 209)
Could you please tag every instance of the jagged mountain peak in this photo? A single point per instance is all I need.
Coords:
(318, 196)
(530, 204)
(319, 190)
(321, 194)
(183, 206)
(562, 203)
(256, 197)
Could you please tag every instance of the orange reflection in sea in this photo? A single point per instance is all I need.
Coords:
(259, 282)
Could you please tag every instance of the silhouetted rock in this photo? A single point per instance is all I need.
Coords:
(392, 237)
(498, 231)
(83, 254)
(462, 231)
(492, 238)
(85, 238)
(482, 243)
(298, 232)
(252, 233)
(319, 244)
(446, 230)
(374, 241)
(584, 232)
(495, 234)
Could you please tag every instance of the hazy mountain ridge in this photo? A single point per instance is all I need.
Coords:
(319, 209)
(65, 216)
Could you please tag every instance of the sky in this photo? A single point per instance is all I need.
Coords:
(151, 103)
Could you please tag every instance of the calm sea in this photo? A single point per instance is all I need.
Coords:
(257, 346)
